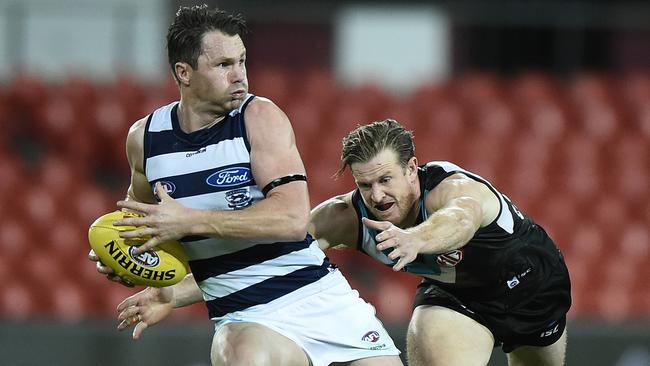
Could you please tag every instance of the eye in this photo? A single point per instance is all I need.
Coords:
(363, 185)
(385, 179)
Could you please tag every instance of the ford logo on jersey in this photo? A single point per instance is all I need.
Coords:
(229, 177)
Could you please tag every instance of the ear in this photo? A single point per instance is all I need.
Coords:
(183, 72)
(412, 167)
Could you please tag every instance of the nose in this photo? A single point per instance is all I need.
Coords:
(238, 73)
(376, 193)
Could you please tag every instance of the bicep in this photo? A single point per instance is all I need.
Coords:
(461, 192)
(274, 153)
(139, 188)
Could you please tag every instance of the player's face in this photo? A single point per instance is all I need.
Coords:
(388, 189)
(220, 78)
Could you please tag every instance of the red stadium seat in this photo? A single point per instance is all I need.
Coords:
(25, 94)
(546, 122)
(586, 243)
(41, 206)
(614, 303)
(19, 301)
(273, 84)
(635, 242)
(636, 89)
(13, 175)
(69, 301)
(475, 89)
(59, 174)
(16, 237)
(90, 202)
(532, 88)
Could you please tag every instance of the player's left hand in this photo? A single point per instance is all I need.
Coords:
(405, 245)
(107, 271)
(165, 221)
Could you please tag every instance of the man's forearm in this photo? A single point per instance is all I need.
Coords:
(268, 221)
(186, 292)
(450, 227)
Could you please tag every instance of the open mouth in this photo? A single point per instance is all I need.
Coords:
(238, 94)
(384, 206)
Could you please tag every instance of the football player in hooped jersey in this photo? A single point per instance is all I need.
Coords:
(491, 276)
(230, 186)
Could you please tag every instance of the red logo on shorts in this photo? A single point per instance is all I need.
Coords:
(372, 336)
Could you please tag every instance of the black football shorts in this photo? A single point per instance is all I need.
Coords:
(528, 311)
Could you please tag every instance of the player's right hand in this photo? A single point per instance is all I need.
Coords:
(107, 271)
(144, 309)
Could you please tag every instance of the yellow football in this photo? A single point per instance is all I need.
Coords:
(164, 266)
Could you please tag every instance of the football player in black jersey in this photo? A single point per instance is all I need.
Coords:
(491, 276)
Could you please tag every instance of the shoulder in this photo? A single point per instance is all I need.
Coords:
(336, 206)
(262, 110)
(336, 221)
(137, 130)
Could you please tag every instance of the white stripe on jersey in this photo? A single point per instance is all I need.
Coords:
(179, 163)
(212, 247)
(160, 120)
(504, 219)
(231, 282)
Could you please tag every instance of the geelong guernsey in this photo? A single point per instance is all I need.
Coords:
(210, 169)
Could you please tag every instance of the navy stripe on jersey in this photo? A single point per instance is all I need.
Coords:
(228, 127)
(168, 142)
(186, 184)
(266, 291)
(210, 267)
(146, 143)
(192, 238)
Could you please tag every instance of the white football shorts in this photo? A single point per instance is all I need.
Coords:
(327, 319)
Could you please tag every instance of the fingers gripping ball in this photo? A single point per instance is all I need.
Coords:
(164, 266)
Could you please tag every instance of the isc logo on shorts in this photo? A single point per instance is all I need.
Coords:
(549, 332)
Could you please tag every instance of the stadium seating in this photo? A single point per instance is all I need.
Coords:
(572, 152)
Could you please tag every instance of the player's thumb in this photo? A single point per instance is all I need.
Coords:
(377, 225)
(139, 328)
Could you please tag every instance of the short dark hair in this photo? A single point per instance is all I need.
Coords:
(190, 24)
(365, 142)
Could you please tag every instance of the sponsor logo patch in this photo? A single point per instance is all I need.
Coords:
(372, 336)
(550, 332)
(450, 259)
(513, 282)
(230, 177)
(167, 185)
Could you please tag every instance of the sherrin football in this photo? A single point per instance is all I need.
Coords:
(163, 266)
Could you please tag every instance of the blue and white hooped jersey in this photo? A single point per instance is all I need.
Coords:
(210, 169)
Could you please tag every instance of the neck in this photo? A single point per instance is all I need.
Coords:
(414, 211)
(191, 118)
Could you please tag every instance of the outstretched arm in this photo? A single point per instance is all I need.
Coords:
(151, 305)
(457, 208)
